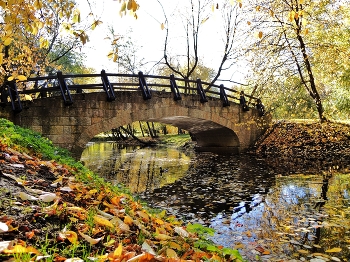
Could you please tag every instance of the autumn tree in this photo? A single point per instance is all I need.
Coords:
(286, 45)
(30, 30)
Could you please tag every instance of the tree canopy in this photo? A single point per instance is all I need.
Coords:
(36, 33)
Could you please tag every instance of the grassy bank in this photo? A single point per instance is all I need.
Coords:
(52, 208)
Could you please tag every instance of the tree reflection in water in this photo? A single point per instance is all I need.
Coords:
(139, 169)
(240, 197)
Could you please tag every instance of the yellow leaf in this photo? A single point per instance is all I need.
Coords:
(205, 20)
(44, 43)
(257, 8)
(39, 24)
(171, 253)
(128, 220)
(118, 251)
(159, 221)
(21, 77)
(143, 215)
(71, 236)
(8, 29)
(7, 41)
(301, 251)
(1, 58)
(291, 16)
(232, 2)
(92, 191)
(301, 2)
(162, 237)
(15, 250)
(76, 16)
(38, 4)
(334, 250)
(174, 245)
(162, 26)
(162, 214)
(260, 35)
(96, 23)
(122, 9)
(102, 221)
(249, 23)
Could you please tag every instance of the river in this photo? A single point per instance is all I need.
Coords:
(264, 213)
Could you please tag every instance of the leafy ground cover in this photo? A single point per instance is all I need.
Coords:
(306, 147)
(54, 209)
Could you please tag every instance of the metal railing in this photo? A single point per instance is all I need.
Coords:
(110, 83)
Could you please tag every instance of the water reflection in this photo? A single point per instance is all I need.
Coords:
(251, 207)
(214, 184)
(138, 168)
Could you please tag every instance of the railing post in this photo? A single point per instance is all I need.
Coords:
(201, 92)
(14, 96)
(223, 96)
(144, 88)
(107, 86)
(64, 89)
(174, 88)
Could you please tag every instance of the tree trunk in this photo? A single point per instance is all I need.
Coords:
(313, 91)
(143, 134)
(150, 130)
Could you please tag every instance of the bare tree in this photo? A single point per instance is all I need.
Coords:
(191, 26)
(232, 30)
(234, 35)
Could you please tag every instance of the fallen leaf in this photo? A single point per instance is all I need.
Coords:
(102, 221)
(25, 196)
(3, 227)
(48, 197)
(4, 245)
(334, 250)
(171, 253)
(92, 241)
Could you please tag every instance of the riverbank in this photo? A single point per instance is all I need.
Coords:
(305, 147)
(54, 209)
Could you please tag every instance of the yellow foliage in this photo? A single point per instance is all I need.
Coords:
(28, 27)
(102, 221)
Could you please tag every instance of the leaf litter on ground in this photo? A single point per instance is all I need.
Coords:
(48, 214)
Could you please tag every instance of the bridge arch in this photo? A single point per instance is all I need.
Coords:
(216, 128)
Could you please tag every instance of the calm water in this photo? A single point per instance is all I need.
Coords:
(250, 205)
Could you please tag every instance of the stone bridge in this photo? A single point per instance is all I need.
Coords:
(216, 128)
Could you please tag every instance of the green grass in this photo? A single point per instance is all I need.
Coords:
(175, 140)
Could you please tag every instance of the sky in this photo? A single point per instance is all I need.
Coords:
(147, 34)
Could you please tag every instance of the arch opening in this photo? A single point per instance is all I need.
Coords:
(208, 135)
